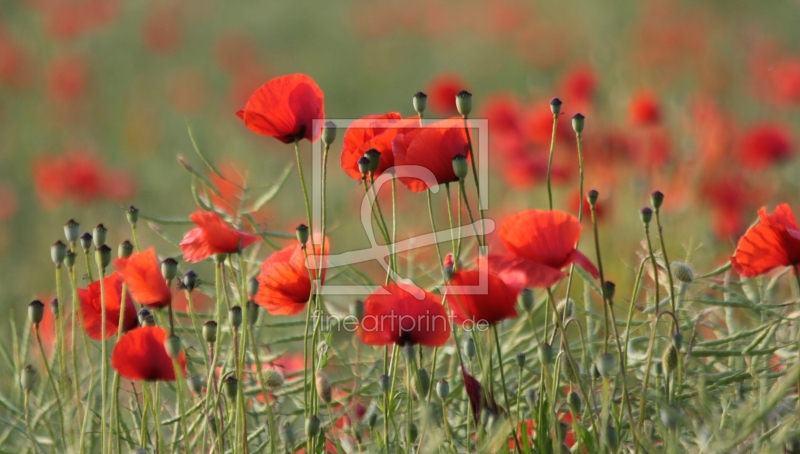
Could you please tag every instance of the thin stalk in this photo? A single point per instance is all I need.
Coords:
(503, 382)
(475, 178)
(433, 227)
(61, 347)
(666, 262)
(115, 413)
(75, 303)
(52, 383)
(103, 354)
(797, 279)
(550, 160)
(270, 415)
(28, 423)
(651, 344)
(135, 237)
(463, 191)
(452, 226)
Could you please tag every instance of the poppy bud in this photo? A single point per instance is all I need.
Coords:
(312, 426)
(606, 364)
(464, 102)
(577, 123)
(173, 346)
(132, 213)
(682, 272)
(374, 157)
(57, 252)
(235, 317)
(169, 269)
(669, 360)
(385, 383)
(424, 382)
(545, 354)
(363, 166)
(231, 386)
(442, 389)
(72, 230)
(125, 249)
(272, 378)
(69, 259)
(574, 401)
(252, 288)
(469, 348)
(372, 415)
(677, 340)
(86, 241)
(520, 360)
(527, 299)
(609, 289)
(302, 234)
(142, 315)
(220, 258)
(54, 307)
(460, 166)
(142, 450)
(420, 101)
(530, 397)
(323, 387)
(99, 235)
(646, 215)
(592, 196)
(657, 199)
(210, 331)
(555, 106)
(357, 309)
(252, 312)
(103, 256)
(190, 280)
(27, 378)
(35, 312)
(196, 384)
(329, 133)
(565, 308)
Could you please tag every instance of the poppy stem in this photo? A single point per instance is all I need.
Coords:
(58, 319)
(797, 279)
(503, 382)
(463, 190)
(475, 178)
(135, 235)
(52, 382)
(550, 160)
(452, 227)
(603, 295)
(667, 265)
(28, 423)
(75, 304)
(303, 184)
(435, 235)
(103, 354)
(88, 265)
(115, 413)
(651, 344)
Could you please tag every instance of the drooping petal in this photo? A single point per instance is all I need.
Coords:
(213, 236)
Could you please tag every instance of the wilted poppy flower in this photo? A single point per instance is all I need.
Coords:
(140, 355)
(545, 240)
(91, 308)
(773, 243)
(432, 148)
(213, 236)
(284, 285)
(359, 138)
(402, 317)
(764, 145)
(644, 110)
(285, 108)
(493, 304)
(142, 273)
(442, 91)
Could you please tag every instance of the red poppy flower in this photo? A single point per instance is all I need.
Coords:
(359, 138)
(140, 355)
(91, 308)
(644, 110)
(284, 108)
(545, 240)
(142, 273)
(162, 29)
(493, 304)
(442, 91)
(504, 114)
(213, 236)
(403, 316)
(66, 78)
(764, 145)
(773, 243)
(284, 285)
(432, 148)
(579, 85)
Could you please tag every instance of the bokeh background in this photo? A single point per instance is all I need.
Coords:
(697, 99)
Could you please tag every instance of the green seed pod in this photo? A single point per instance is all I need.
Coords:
(57, 252)
(357, 309)
(125, 249)
(363, 166)
(72, 230)
(173, 346)
(592, 197)
(469, 348)
(329, 133)
(682, 272)
(35, 312)
(442, 389)
(196, 384)
(54, 307)
(657, 199)
(99, 236)
(252, 288)
(609, 289)
(272, 378)
(555, 106)
(27, 378)
(252, 313)
(578, 121)
(103, 256)
(312, 426)
(231, 386)
(460, 166)
(571, 370)
(464, 102)
(323, 387)
(385, 383)
(574, 402)
(69, 259)
(520, 360)
(86, 241)
(235, 317)
(190, 280)
(169, 269)
(374, 157)
(210, 331)
(606, 365)
(301, 232)
(546, 354)
(669, 359)
(424, 381)
(646, 215)
(287, 435)
(132, 213)
(420, 101)
(527, 299)
(565, 309)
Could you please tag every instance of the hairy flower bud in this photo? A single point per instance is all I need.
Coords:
(424, 382)
(546, 354)
(682, 272)
(323, 387)
(312, 426)
(574, 401)
(669, 360)
(565, 309)
(272, 378)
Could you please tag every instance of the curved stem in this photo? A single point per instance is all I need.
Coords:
(550, 160)
(52, 383)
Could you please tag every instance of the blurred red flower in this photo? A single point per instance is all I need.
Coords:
(140, 355)
(403, 316)
(213, 236)
(574, 204)
(66, 78)
(442, 91)
(142, 272)
(579, 86)
(284, 285)
(284, 108)
(764, 145)
(432, 148)
(773, 243)
(91, 308)
(8, 202)
(162, 29)
(644, 109)
(15, 64)
(492, 304)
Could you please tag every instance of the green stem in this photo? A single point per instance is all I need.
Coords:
(52, 383)
(433, 227)
(103, 355)
(28, 423)
(475, 178)
(503, 382)
(651, 344)
(550, 160)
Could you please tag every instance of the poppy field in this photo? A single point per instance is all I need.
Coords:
(384, 227)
